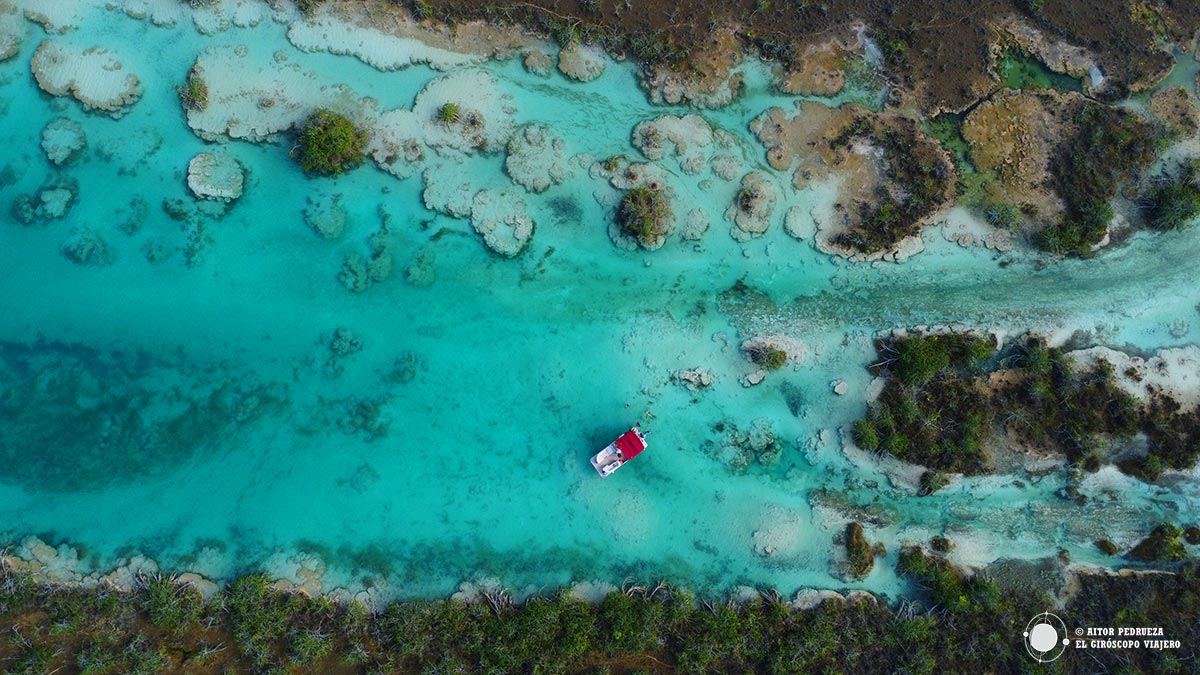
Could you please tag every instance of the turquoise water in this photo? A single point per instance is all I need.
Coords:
(189, 410)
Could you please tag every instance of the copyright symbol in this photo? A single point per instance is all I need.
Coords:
(1079, 631)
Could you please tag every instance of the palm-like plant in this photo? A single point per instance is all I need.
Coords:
(449, 113)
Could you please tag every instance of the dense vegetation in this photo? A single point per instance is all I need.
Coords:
(945, 396)
(1173, 202)
(644, 213)
(915, 166)
(933, 410)
(968, 625)
(1111, 145)
(329, 143)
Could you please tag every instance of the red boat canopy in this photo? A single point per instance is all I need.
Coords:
(630, 444)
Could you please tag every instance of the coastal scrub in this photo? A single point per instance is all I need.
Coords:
(1109, 147)
(915, 165)
(251, 626)
(329, 143)
(945, 396)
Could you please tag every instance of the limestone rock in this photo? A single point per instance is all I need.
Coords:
(1177, 109)
(695, 225)
(12, 31)
(799, 223)
(86, 247)
(678, 136)
(694, 379)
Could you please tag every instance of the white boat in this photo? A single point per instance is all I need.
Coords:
(629, 445)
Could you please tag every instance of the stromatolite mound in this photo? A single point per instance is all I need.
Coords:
(752, 207)
(93, 76)
(581, 62)
(325, 215)
(12, 29)
(501, 220)
(215, 176)
(63, 140)
(536, 158)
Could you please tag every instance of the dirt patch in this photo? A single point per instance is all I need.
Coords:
(1176, 108)
(1014, 136)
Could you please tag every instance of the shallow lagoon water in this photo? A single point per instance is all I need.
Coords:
(493, 379)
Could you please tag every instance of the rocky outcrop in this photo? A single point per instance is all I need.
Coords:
(672, 135)
(85, 246)
(377, 48)
(51, 201)
(694, 379)
(538, 62)
(1015, 135)
(821, 67)
(708, 78)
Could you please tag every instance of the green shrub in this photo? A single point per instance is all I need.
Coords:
(193, 93)
(947, 585)
(258, 616)
(308, 647)
(919, 359)
(931, 482)
(768, 356)
(865, 435)
(307, 7)
(329, 143)
(916, 166)
(941, 544)
(644, 213)
(449, 113)
(1004, 216)
(420, 9)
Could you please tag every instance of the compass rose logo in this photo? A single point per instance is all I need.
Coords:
(1046, 637)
